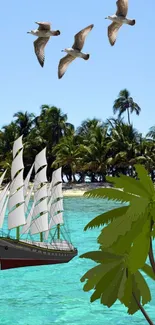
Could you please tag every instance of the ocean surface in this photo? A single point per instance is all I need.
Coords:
(47, 295)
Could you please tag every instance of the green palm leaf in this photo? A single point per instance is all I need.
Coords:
(110, 194)
(94, 275)
(147, 269)
(106, 217)
(137, 287)
(123, 244)
(153, 232)
(132, 305)
(140, 249)
(125, 290)
(145, 179)
(122, 225)
(105, 282)
(152, 211)
(101, 256)
(110, 294)
(129, 185)
(143, 288)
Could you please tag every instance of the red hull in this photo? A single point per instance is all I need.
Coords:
(15, 263)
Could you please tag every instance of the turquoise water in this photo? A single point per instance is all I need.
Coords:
(53, 294)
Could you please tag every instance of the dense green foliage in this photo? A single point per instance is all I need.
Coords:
(91, 149)
(125, 244)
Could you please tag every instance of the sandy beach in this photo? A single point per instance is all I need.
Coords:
(72, 190)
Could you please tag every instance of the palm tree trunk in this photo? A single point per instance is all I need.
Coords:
(143, 311)
(74, 178)
(128, 115)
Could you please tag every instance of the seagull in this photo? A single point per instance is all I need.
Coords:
(75, 51)
(118, 20)
(44, 33)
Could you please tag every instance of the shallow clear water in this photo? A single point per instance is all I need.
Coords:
(53, 294)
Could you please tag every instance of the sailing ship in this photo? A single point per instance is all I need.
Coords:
(33, 232)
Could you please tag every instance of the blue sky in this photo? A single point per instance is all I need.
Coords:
(89, 88)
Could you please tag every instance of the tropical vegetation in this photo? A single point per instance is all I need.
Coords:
(125, 242)
(96, 148)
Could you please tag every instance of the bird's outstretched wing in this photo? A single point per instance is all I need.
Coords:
(39, 46)
(80, 37)
(112, 32)
(63, 65)
(43, 25)
(122, 8)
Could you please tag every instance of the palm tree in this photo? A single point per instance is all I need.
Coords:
(96, 153)
(68, 154)
(8, 135)
(125, 103)
(123, 141)
(53, 123)
(145, 153)
(87, 126)
(151, 133)
(24, 122)
(112, 123)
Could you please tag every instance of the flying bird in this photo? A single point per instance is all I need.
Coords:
(44, 33)
(118, 20)
(75, 51)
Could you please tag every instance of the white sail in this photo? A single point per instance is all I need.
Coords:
(16, 217)
(40, 207)
(17, 145)
(56, 193)
(3, 193)
(2, 177)
(40, 212)
(17, 164)
(55, 207)
(56, 176)
(41, 193)
(27, 199)
(17, 182)
(17, 197)
(3, 204)
(27, 179)
(40, 224)
(40, 160)
(40, 177)
(56, 219)
(2, 213)
(55, 201)
(26, 227)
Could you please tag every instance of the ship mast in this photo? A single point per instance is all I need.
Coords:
(58, 230)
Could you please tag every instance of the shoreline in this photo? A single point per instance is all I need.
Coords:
(77, 190)
(73, 193)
